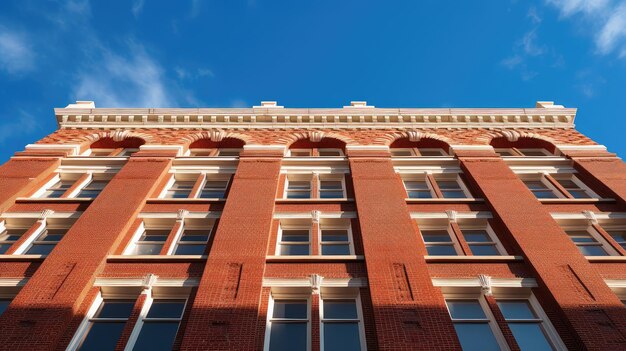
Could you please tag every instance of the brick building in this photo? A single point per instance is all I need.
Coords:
(305, 229)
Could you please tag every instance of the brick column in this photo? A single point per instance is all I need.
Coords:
(225, 312)
(39, 314)
(590, 309)
(606, 175)
(409, 313)
(21, 175)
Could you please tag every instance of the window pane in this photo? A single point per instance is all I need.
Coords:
(448, 184)
(155, 336)
(580, 236)
(476, 236)
(4, 248)
(458, 194)
(294, 250)
(505, 152)
(619, 236)
(340, 309)
(102, 336)
(336, 249)
(415, 185)
(431, 152)
(530, 337)
(178, 194)
(290, 309)
(288, 336)
(166, 309)
(155, 235)
(148, 249)
(299, 195)
(334, 235)
(12, 234)
(424, 194)
(329, 153)
(400, 152)
(331, 194)
(4, 304)
(295, 235)
(299, 184)
(115, 309)
(212, 194)
(441, 250)
(227, 153)
(593, 250)
(535, 185)
(465, 309)
(88, 194)
(484, 250)
(436, 236)
(579, 194)
(537, 152)
(195, 235)
(40, 249)
(341, 337)
(330, 185)
(546, 194)
(516, 310)
(190, 249)
(476, 337)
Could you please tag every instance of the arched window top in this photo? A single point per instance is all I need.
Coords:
(523, 146)
(424, 147)
(326, 146)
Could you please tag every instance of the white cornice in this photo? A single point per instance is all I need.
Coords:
(353, 117)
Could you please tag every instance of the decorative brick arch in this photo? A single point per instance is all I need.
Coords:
(412, 135)
(515, 135)
(215, 135)
(116, 139)
(520, 138)
(315, 136)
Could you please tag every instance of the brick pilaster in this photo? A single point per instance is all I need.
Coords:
(21, 176)
(409, 313)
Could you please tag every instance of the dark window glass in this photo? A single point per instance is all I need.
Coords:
(190, 249)
(340, 309)
(166, 309)
(294, 250)
(115, 309)
(342, 336)
(476, 337)
(530, 337)
(470, 309)
(484, 250)
(292, 309)
(4, 304)
(288, 336)
(102, 336)
(156, 336)
(336, 249)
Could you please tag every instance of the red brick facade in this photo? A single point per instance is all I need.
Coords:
(403, 289)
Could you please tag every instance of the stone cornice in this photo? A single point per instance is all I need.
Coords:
(204, 118)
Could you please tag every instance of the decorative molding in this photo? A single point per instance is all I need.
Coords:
(176, 148)
(71, 149)
(485, 284)
(458, 215)
(307, 282)
(140, 282)
(495, 282)
(367, 148)
(590, 216)
(564, 147)
(452, 215)
(321, 215)
(316, 283)
(257, 147)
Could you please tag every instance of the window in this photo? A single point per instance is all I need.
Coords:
(289, 325)
(481, 241)
(192, 241)
(335, 237)
(159, 326)
(111, 152)
(107, 324)
(300, 152)
(331, 187)
(330, 152)
(151, 241)
(341, 324)
(541, 189)
(424, 152)
(57, 189)
(180, 190)
(327, 152)
(289, 320)
(92, 189)
(201, 152)
(298, 188)
(525, 324)
(589, 242)
(536, 152)
(228, 152)
(294, 241)
(214, 188)
(473, 326)
(4, 304)
(9, 236)
(45, 242)
(439, 242)
(574, 187)
(450, 186)
(619, 235)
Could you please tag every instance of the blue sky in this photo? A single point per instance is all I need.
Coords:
(311, 54)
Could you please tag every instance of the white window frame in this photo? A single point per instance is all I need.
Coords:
(231, 149)
(147, 304)
(595, 235)
(129, 251)
(5, 228)
(206, 177)
(610, 227)
(573, 178)
(270, 319)
(543, 151)
(418, 177)
(444, 177)
(279, 241)
(348, 227)
(491, 320)
(299, 178)
(410, 150)
(541, 178)
(331, 177)
(173, 179)
(442, 152)
(490, 232)
(179, 234)
(359, 310)
(341, 154)
(455, 242)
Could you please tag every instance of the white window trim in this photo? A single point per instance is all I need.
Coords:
(79, 187)
(179, 233)
(359, 311)
(594, 234)
(543, 151)
(279, 237)
(270, 311)
(213, 177)
(347, 227)
(490, 232)
(83, 328)
(461, 183)
(341, 154)
(541, 178)
(583, 187)
(39, 193)
(442, 152)
(493, 325)
(414, 177)
(410, 150)
(287, 181)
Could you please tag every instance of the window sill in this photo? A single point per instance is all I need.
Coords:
(314, 258)
(445, 201)
(575, 201)
(156, 258)
(606, 258)
(473, 258)
(305, 201)
(53, 200)
(22, 257)
(189, 200)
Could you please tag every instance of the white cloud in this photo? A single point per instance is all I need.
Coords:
(23, 123)
(183, 73)
(135, 80)
(533, 15)
(512, 62)
(529, 45)
(16, 55)
(606, 19)
(137, 7)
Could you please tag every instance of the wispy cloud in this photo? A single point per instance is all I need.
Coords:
(526, 47)
(22, 123)
(130, 80)
(606, 19)
(183, 73)
(137, 7)
(16, 54)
